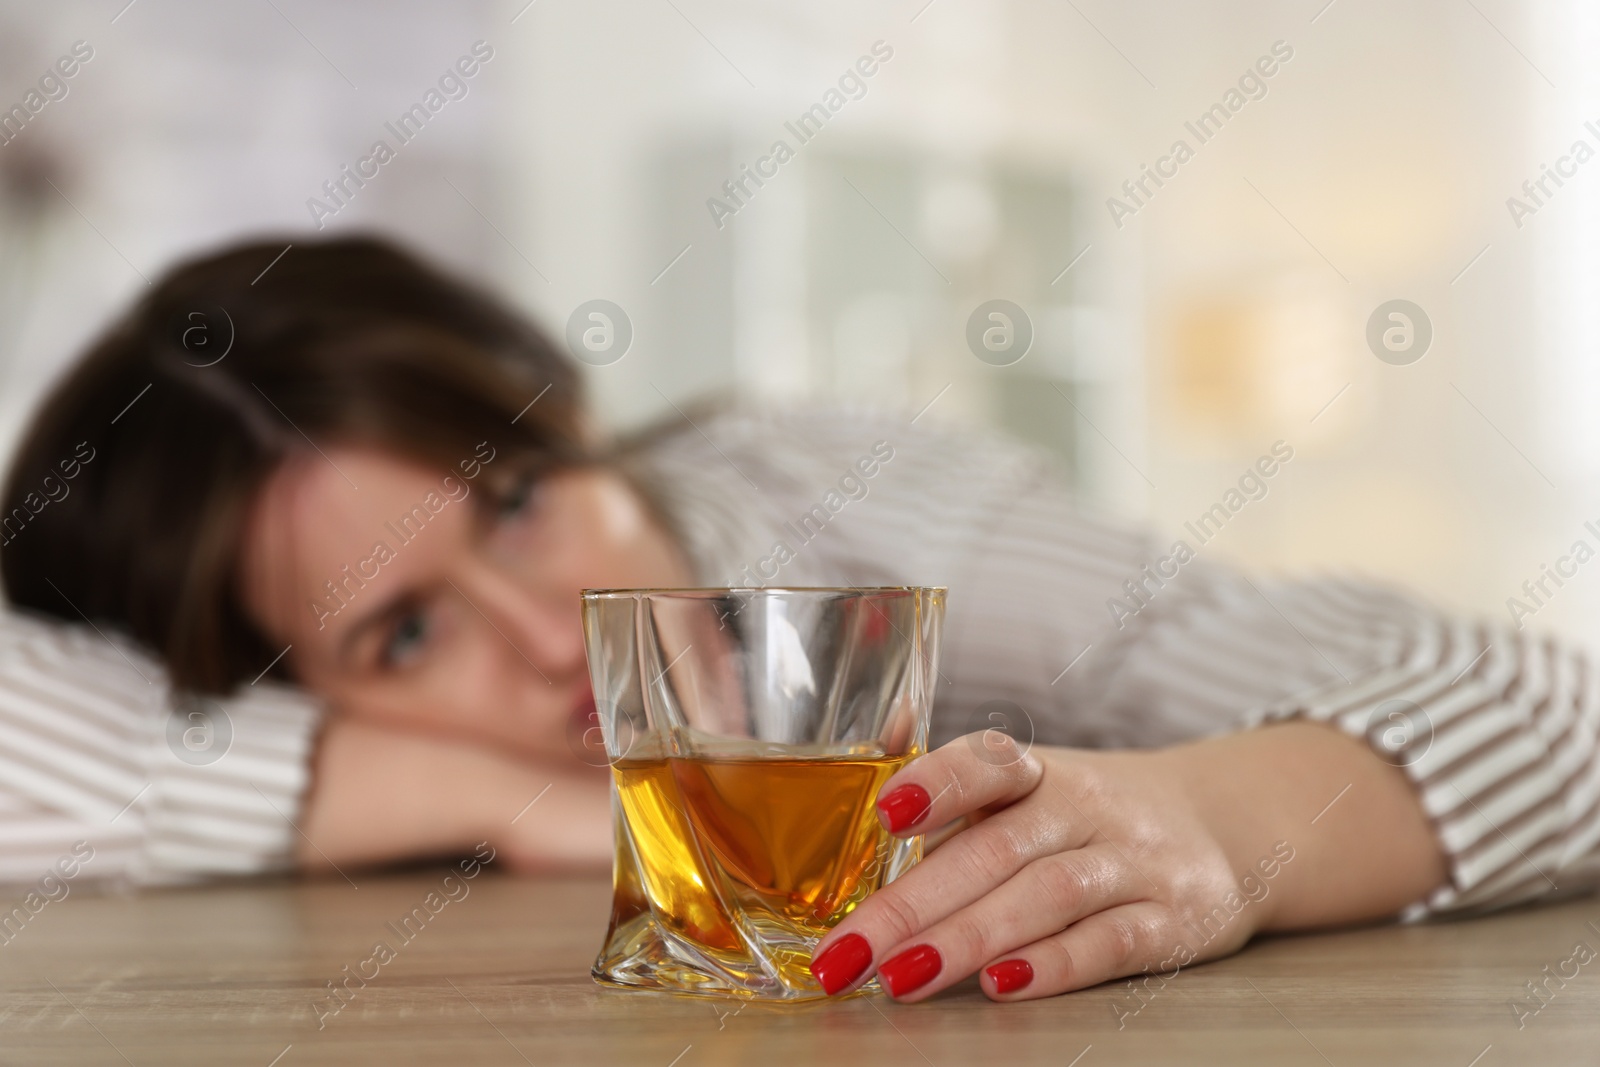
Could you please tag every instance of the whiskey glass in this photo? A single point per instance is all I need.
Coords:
(748, 733)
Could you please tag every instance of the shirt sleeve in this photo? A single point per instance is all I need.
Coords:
(1495, 729)
(98, 757)
(1080, 631)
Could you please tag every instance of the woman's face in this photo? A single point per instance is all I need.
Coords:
(434, 602)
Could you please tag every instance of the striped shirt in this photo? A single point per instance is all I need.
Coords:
(94, 748)
(1067, 628)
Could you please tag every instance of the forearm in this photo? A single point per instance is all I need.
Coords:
(1363, 849)
(382, 795)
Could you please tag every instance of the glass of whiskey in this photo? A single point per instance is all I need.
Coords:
(748, 733)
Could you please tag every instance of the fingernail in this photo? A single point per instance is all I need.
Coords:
(903, 807)
(841, 963)
(911, 970)
(1010, 975)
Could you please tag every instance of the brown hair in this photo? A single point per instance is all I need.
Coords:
(126, 502)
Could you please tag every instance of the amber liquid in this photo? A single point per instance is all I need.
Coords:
(787, 847)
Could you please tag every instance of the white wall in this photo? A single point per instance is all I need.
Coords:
(1377, 166)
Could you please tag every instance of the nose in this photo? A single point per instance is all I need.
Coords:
(544, 626)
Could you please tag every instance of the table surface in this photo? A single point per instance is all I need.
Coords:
(230, 975)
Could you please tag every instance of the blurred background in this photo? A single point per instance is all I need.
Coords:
(1178, 330)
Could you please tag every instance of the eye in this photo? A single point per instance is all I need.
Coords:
(520, 498)
(406, 639)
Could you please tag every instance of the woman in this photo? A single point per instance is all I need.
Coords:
(363, 479)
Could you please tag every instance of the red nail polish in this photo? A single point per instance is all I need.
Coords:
(1010, 975)
(904, 806)
(911, 970)
(841, 963)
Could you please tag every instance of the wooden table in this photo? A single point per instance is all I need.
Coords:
(229, 975)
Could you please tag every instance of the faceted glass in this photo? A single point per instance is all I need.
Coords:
(748, 732)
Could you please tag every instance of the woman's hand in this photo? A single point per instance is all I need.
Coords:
(1082, 867)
